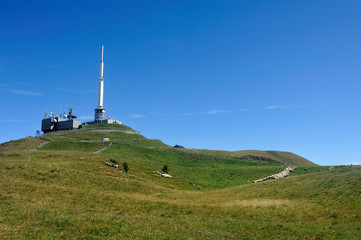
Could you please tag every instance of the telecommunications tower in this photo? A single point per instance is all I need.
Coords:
(100, 111)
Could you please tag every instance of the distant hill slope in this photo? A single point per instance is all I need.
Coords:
(89, 139)
(283, 157)
(257, 155)
(192, 170)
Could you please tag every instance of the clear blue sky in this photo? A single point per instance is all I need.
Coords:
(232, 75)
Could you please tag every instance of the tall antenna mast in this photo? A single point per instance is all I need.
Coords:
(101, 82)
(102, 64)
(100, 111)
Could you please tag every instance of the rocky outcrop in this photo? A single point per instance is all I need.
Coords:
(166, 175)
(111, 165)
(279, 175)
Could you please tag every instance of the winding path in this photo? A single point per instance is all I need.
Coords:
(42, 144)
(101, 150)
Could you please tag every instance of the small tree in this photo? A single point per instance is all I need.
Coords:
(165, 169)
(125, 166)
(38, 133)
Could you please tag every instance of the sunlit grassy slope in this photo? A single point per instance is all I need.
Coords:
(274, 156)
(64, 191)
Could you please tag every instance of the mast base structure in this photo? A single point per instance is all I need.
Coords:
(99, 115)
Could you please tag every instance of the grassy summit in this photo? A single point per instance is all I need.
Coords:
(64, 190)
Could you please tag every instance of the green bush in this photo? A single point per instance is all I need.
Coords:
(165, 169)
(125, 166)
(113, 161)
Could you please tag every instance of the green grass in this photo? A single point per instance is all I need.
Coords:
(88, 135)
(96, 133)
(24, 144)
(108, 126)
(75, 146)
(64, 191)
(281, 157)
(193, 171)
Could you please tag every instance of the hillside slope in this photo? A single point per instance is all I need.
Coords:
(125, 135)
(257, 155)
(64, 190)
(145, 156)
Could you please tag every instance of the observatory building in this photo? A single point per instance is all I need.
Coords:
(67, 122)
(55, 123)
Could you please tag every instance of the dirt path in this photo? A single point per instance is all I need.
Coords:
(101, 150)
(42, 144)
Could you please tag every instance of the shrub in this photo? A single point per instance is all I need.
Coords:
(113, 161)
(125, 166)
(165, 169)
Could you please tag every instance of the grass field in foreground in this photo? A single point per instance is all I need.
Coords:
(67, 194)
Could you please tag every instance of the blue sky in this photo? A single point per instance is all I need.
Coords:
(231, 75)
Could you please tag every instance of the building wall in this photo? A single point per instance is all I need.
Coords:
(67, 125)
(55, 124)
(47, 125)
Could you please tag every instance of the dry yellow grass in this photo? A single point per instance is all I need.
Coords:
(258, 203)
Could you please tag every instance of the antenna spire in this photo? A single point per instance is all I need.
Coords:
(100, 111)
(102, 52)
(101, 64)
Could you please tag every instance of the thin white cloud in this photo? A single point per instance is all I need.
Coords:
(28, 93)
(209, 112)
(75, 91)
(188, 114)
(272, 107)
(214, 111)
(137, 116)
(160, 114)
(242, 110)
(13, 120)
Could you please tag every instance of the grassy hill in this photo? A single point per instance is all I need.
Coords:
(64, 191)
(256, 155)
